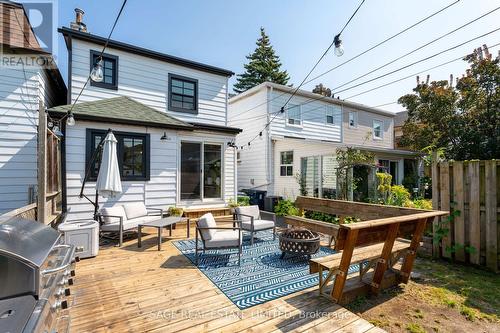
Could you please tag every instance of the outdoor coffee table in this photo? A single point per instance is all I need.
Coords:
(159, 224)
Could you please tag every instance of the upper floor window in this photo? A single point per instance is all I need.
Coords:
(331, 113)
(286, 163)
(110, 70)
(353, 119)
(182, 94)
(132, 152)
(294, 116)
(378, 129)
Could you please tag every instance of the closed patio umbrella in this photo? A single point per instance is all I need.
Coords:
(108, 180)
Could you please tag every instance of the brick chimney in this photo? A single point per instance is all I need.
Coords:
(78, 24)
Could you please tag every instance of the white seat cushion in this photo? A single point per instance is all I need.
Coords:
(207, 221)
(113, 211)
(258, 225)
(224, 238)
(136, 209)
(248, 210)
(115, 226)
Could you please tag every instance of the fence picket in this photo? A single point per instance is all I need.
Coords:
(458, 198)
(474, 212)
(491, 215)
(435, 203)
(444, 189)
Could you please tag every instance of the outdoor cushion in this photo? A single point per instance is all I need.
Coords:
(136, 209)
(207, 221)
(115, 226)
(248, 210)
(258, 225)
(114, 211)
(224, 238)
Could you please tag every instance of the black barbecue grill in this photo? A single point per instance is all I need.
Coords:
(36, 271)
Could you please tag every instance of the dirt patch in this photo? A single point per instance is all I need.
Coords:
(444, 297)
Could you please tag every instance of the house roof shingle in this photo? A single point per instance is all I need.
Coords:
(122, 110)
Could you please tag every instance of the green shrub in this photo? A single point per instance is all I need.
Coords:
(399, 196)
(422, 204)
(175, 211)
(241, 200)
(321, 216)
(286, 207)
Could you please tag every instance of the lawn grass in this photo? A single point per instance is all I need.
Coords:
(446, 297)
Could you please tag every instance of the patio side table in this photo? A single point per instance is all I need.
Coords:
(158, 224)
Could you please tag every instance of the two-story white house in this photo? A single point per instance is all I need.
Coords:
(304, 138)
(168, 114)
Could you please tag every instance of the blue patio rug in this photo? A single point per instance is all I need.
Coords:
(262, 275)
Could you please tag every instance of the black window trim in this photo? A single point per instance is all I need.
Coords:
(115, 72)
(90, 133)
(182, 78)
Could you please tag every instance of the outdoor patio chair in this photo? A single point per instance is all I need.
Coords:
(251, 220)
(126, 217)
(215, 238)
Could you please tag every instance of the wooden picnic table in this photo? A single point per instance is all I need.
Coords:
(377, 242)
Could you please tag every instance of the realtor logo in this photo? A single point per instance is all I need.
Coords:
(29, 27)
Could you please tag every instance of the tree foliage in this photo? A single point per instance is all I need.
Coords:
(264, 65)
(463, 119)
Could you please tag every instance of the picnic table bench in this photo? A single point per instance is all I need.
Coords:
(376, 242)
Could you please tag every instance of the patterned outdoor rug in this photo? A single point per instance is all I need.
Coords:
(262, 276)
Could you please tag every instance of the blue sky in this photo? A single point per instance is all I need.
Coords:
(223, 32)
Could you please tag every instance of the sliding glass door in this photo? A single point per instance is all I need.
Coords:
(201, 171)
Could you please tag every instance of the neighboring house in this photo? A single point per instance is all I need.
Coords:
(399, 121)
(303, 140)
(24, 81)
(170, 118)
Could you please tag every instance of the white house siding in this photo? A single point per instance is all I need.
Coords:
(287, 186)
(146, 80)
(314, 125)
(362, 134)
(253, 168)
(161, 191)
(19, 96)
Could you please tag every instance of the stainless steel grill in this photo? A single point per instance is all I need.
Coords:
(36, 273)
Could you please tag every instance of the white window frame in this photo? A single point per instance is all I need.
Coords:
(286, 165)
(354, 118)
(381, 137)
(332, 109)
(202, 199)
(294, 119)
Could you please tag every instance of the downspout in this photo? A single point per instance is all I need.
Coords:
(269, 150)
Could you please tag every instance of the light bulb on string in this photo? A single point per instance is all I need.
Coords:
(339, 47)
(97, 74)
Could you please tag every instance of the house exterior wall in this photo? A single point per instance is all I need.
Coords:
(20, 92)
(146, 81)
(162, 189)
(250, 173)
(314, 125)
(362, 134)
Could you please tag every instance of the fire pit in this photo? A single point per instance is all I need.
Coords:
(299, 242)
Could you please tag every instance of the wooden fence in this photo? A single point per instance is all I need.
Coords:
(471, 188)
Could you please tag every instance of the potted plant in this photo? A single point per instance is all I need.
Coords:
(241, 200)
(175, 211)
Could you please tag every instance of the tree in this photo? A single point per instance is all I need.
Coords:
(264, 65)
(322, 90)
(463, 120)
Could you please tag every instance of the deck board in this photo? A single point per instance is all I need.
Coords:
(144, 290)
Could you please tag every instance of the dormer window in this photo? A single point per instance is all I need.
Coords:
(110, 70)
(378, 129)
(182, 94)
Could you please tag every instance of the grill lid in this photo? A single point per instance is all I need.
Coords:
(27, 240)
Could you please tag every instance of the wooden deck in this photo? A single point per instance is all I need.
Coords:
(137, 290)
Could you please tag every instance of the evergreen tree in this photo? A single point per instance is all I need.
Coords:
(264, 65)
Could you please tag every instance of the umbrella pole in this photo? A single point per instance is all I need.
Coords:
(87, 174)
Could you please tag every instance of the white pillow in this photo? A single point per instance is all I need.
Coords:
(136, 209)
(207, 221)
(114, 211)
